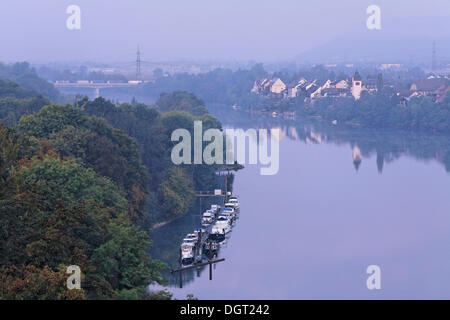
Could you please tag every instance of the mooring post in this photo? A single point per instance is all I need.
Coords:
(180, 272)
(210, 251)
(210, 271)
(210, 258)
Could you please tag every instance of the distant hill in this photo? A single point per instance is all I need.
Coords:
(9, 89)
(398, 41)
(15, 101)
(26, 77)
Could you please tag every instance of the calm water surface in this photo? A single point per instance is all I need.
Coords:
(311, 231)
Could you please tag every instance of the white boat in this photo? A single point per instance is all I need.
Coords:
(234, 202)
(187, 253)
(200, 233)
(220, 229)
(205, 226)
(189, 241)
(192, 236)
(207, 220)
(229, 213)
(208, 217)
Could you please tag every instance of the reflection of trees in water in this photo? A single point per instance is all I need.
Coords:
(168, 238)
(386, 144)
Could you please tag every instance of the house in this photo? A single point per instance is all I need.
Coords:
(278, 86)
(320, 86)
(295, 88)
(425, 87)
(441, 93)
(338, 88)
(371, 85)
(400, 95)
(311, 88)
(261, 85)
(335, 92)
(341, 84)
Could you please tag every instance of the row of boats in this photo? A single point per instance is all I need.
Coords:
(216, 224)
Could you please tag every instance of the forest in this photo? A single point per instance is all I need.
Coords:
(82, 183)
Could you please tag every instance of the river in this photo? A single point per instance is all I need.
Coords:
(311, 231)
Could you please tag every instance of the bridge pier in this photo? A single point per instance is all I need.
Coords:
(97, 92)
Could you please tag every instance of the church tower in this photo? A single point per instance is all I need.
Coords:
(356, 85)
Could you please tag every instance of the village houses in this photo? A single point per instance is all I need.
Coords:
(434, 87)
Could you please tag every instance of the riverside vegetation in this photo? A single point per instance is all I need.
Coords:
(81, 184)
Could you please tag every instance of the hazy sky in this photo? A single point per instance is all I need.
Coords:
(35, 30)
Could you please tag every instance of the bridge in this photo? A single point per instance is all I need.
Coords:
(96, 85)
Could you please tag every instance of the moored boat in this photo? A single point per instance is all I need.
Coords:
(187, 253)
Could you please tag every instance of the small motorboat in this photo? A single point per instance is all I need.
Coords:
(208, 217)
(220, 229)
(187, 254)
(233, 201)
(229, 213)
(192, 236)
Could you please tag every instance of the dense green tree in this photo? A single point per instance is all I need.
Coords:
(32, 283)
(98, 145)
(62, 214)
(152, 130)
(181, 101)
(176, 193)
(124, 260)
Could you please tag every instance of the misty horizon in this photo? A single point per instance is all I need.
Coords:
(201, 31)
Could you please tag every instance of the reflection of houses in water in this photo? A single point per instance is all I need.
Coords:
(281, 131)
(357, 158)
(292, 133)
(313, 137)
(286, 132)
(309, 135)
(317, 137)
(386, 145)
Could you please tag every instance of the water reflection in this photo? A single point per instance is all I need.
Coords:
(387, 144)
(343, 199)
(167, 238)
